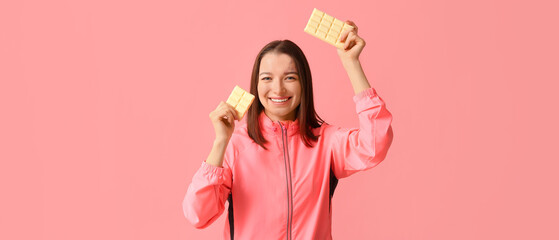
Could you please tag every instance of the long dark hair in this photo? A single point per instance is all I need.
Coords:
(306, 114)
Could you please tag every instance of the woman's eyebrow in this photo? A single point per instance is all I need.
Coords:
(286, 73)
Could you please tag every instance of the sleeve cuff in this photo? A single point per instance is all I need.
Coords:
(367, 99)
(367, 93)
(212, 173)
(208, 168)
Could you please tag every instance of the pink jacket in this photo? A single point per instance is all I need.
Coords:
(285, 192)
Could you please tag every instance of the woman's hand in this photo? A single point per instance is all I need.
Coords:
(353, 44)
(223, 119)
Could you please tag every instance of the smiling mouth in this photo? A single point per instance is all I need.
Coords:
(280, 100)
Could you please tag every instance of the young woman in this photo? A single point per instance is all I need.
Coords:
(278, 169)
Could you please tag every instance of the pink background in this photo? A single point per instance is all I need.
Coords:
(105, 113)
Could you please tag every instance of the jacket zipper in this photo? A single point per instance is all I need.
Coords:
(288, 180)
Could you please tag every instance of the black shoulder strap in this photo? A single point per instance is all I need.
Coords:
(230, 216)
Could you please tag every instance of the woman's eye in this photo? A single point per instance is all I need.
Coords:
(291, 78)
(266, 78)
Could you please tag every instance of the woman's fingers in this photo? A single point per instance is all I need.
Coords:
(226, 112)
(351, 23)
(349, 36)
(350, 41)
(219, 112)
(228, 118)
(343, 37)
(232, 112)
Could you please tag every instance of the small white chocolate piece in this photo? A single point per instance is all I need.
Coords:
(240, 100)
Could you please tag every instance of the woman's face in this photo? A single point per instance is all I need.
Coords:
(279, 88)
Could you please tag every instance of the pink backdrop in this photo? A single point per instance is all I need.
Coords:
(104, 113)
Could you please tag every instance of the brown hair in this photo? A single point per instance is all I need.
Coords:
(308, 118)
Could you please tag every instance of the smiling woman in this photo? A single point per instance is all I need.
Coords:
(282, 79)
(279, 169)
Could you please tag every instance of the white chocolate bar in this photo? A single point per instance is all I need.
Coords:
(326, 28)
(240, 100)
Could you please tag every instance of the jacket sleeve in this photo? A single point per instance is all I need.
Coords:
(360, 149)
(205, 198)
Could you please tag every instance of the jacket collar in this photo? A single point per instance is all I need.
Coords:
(268, 126)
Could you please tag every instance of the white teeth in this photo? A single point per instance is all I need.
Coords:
(279, 100)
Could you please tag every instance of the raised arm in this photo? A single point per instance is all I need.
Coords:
(350, 59)
(205, 198)
(360, 149)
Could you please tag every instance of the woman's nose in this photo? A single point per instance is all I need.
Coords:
(278, 86)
